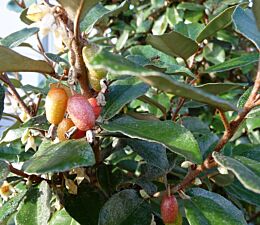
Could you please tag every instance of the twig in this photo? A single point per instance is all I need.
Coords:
(33, 178)
(77, 21)
(224, 121)
(15, 94)
(38, 105)
(178, 108)
(148, 100)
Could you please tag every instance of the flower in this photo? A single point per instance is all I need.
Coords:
(36, 12)
(6, 190)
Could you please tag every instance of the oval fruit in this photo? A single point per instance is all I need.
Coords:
(96, 108)
(55, 105)
(169, 209)
(96, 75)
(81, 112)
(63, 127)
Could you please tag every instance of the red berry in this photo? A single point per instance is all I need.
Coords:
(79, 134)
(169, 209)
(81, 112)
(55, 105)
(96, 108)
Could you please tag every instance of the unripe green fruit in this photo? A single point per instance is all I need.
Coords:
(169, 209)
(96, 108)
(81, 112)
(96, 75)
(55, 105)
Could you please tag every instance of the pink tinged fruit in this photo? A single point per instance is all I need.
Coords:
(96, 108)
(169, 209)
(81, 112)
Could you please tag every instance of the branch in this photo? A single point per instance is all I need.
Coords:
(224, 121)
(77, 21)
(15, 94)
(233, 126)
(33, 178)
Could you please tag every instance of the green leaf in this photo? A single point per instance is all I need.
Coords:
(122, 92)
(208, 208)
(125, 207)
(39, 122)
(10, 207)
(217, 23)
(191, 6)
(219, 88)
(244, 173)
(214, 53)
(85, 206)
(99, 13)
(35, 209)
(13, 153)
(190, 30)
(18, 37)
(237, 62)
(152, 57)
(236, 190)
(160, 25)
(121, 66)
(244, 97)
(173, 44)
(13, 135)
(23, 17)
(152, 153)
(245, 24)
(22, 63)
(4, 170)
(72, 7)
(175, 137)
(2, 99)
(57, 59)
(61, 157)
(248, 150)
(62, 218)
(256, 6)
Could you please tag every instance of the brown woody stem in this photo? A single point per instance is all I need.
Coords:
(15, 94)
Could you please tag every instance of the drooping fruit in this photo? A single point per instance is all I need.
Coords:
(81, 112)
(63, 127)
(169, 209)
(64, 87)
(96, 75)
(55, 105)
(96, 108)
(178, 220)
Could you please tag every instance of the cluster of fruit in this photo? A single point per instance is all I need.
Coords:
(81, 112)
(170, 210)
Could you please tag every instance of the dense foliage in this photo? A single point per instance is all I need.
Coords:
(141, 101)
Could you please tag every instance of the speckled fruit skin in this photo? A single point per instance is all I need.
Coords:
(178, 220)
(81, 112)
(169, 209)
(55, 105)
(96, 108)
(63, 127)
